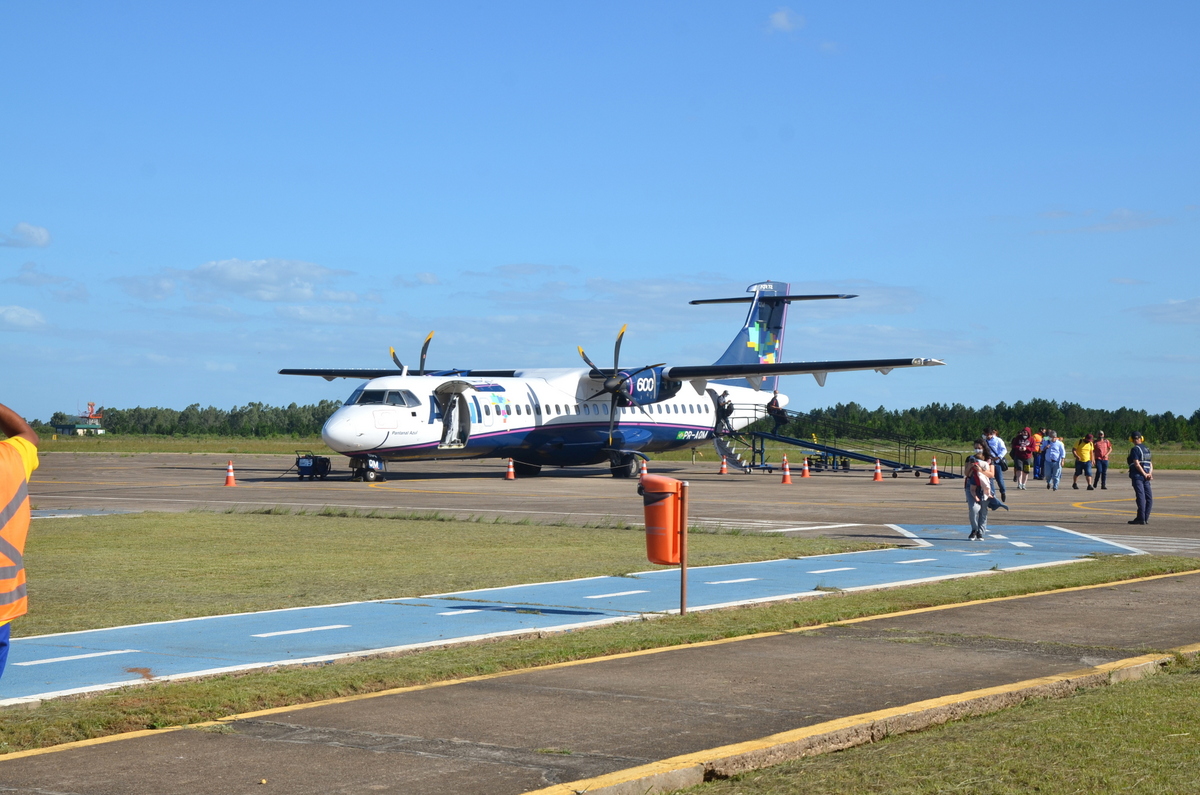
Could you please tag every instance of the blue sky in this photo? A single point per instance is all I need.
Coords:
(194, 195)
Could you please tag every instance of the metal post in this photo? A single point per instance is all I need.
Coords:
(683, 534)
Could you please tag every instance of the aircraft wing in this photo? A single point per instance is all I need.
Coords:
(818, 369)
(331, 373)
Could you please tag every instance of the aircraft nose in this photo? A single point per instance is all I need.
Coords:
(350, 431)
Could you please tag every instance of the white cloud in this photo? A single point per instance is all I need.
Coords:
(77, 292)
(18, 318)
(328, 315)
(418, 280)
(26, 236)
(268, 280)
(1119, 220)
(785, 20)
(146, 288)
(30, 276)
(219, 367)
(1181, 312)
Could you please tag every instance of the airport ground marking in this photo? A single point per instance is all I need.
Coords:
(730, 582)
(830, 571)
(618, 593)
(299, 631)
(78, 657)
(1195, 648)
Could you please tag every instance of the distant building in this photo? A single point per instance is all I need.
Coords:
(89, 424)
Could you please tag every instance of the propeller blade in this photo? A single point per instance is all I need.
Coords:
(586, 359)
(617, 349)
(424, 350)
(396, 358)
(612, 416)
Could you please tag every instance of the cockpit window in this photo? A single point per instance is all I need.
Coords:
(391, 397)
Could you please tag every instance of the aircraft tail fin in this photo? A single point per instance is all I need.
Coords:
(760, 340)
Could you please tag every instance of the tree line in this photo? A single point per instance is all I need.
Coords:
(936, 421)
(1070, 420)
(252, 419)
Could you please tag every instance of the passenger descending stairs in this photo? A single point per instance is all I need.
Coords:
(734, 450)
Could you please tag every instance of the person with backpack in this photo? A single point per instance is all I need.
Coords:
(1022, 456)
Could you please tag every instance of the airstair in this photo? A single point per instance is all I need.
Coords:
(832, 446)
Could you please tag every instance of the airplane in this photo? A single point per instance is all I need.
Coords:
(573, 416)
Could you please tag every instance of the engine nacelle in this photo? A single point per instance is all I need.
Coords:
(649, 386)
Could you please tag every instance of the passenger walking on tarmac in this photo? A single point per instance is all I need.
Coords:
(1083, 462)
(776, 412)
(1140, 474)
(1054, 455)
(18, 459)
(1022, 455)
(995, 446)
(1039, 453)
(1101, 450)
(977, 486)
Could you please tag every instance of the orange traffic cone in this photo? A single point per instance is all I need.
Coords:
(787, 473)
(229, 481)
(724, 467)
(644, 471)
(878, 471)
(933, 478)
(511, 474)
(804, 469)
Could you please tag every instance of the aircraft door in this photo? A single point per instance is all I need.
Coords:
(456, 415)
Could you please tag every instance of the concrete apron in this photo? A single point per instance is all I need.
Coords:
(658, 719)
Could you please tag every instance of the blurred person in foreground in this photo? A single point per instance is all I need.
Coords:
(18, 459)
(1140, 474)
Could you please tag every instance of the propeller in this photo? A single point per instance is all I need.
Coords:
(616, 383)
(424, 351)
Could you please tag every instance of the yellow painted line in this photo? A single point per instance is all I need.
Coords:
(1086, 506)
(571, 664)
(698, 759)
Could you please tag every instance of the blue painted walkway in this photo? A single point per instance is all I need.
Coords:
(77, 662)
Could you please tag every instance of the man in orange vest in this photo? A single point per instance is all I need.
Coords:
(18, 459)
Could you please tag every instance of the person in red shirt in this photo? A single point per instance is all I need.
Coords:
(1022, 451)
(1101, 450)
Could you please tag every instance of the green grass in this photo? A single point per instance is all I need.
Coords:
(103, 571)
(169, 704)
(1139, 737)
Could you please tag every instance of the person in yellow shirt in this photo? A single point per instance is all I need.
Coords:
(1083, 461)
(18, 459)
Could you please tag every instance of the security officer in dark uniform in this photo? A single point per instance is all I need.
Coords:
(1140, 475)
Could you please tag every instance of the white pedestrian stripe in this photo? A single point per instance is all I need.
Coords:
(618, 593)
(77, 657)
(1155, 543)
(730, 582)
(995, 535)
(829, 571)
(1020, 544)
(974, 554)
(918, 560)
(298, 631)
(462, 612)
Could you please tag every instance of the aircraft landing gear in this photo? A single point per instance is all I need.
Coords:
(369, 469)
(624, 466)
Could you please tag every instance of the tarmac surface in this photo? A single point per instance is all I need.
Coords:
(828, 504)
(523, 731)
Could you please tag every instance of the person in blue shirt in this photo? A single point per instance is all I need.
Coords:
(1140, 474)
(997, 450)
(1054, 452)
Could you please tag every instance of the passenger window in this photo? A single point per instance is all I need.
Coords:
(705, 408)
(691, 408)
(576, 408)
(537, 407)
(587, 409)
(605, 407)
(487, 409)
(528, 409)
(518, 409)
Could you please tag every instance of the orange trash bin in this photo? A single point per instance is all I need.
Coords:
(660, 504)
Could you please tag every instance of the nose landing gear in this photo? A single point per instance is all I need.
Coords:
(367, 468)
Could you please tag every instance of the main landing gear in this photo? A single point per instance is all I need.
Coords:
(624, 465)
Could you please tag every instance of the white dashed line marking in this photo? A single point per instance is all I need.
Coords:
(828, 571)
(462, 612)
(974, 554)
(77, 657)
(298, 631)
(1002, 538)
(918, 560)
(618, 593)
(730, 582)
(1020, 544)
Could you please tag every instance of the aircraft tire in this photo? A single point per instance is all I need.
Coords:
(625, 467)
(370, 475)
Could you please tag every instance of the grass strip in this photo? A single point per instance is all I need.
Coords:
(1131, 737)
(103, 571)
(159, 705)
